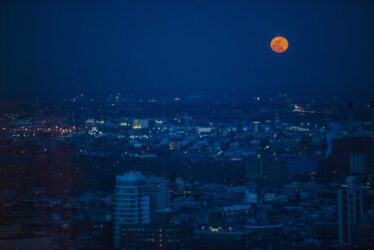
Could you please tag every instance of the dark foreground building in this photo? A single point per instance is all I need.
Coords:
(156, 237)
(269, 171)
(218, 239)
(349, 156)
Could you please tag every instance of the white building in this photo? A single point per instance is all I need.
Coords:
(137, 197)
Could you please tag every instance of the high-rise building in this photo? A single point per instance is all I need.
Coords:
(161, 187)
(372, 116)
(350, 118)
(137, 198)
(255, 126)
(270, 171)
(352, 155)
(351, 205)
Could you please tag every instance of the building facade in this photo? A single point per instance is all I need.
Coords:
(137, 198)
(351, 205)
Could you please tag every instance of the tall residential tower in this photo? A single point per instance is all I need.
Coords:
(137, 198)
(351, 200)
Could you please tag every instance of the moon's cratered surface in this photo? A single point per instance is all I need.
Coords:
(279, 44)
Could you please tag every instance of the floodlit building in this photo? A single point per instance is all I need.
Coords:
(140, 124)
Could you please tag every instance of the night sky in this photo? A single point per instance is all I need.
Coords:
(57, 48)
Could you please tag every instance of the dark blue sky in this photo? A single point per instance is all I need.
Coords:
(56, 48)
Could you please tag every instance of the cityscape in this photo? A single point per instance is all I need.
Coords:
(177, 146)
(187, 173)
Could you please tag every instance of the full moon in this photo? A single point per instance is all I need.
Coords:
(279, 44)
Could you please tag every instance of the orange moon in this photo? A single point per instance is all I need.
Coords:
(279, 44)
